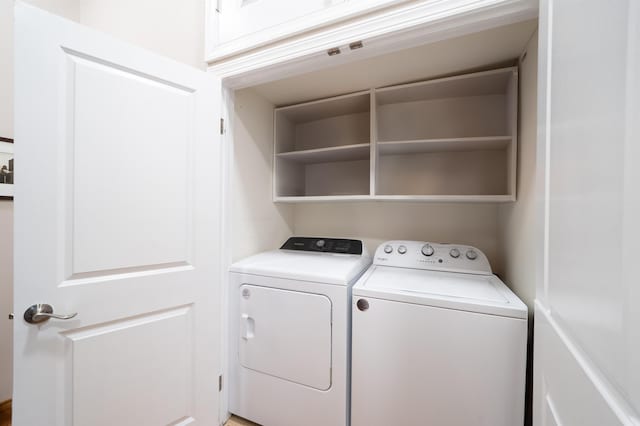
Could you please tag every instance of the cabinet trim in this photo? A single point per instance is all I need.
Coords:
(331, 15)
(399, 27)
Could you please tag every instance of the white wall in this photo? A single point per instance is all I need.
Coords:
(173, 28)
(257, 223)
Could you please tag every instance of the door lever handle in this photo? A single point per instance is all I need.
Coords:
(41, 312)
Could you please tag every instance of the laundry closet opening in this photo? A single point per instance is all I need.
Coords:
(442, 171)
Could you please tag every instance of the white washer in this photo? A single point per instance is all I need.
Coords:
(437, 340)
(290, 321)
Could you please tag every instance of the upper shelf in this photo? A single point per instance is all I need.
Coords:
(494, 82)
(352, 103)
(443, 145)
(446, 140)
(325, 155)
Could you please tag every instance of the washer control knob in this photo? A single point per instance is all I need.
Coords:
(388, 249)
(427, 250)
(320, 243)
(472, 255)
(455, 253)
(402, 249)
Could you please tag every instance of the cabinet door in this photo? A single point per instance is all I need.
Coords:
(243, 17)
(236, 26)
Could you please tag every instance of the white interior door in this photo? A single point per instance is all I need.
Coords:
(117, 217)
(587, 329)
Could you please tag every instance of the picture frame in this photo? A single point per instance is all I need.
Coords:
(6, 168)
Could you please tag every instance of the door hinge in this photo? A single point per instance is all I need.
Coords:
(222, 126)
(220, 383)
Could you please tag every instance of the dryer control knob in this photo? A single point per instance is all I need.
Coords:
(427, 250)
(320, 243)
(388, 249)
(455, 253)
(472, 255)
(402, 249)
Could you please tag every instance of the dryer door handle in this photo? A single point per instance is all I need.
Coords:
(247, 327)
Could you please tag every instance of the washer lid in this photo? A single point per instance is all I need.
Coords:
(469, 292)
(329, 268)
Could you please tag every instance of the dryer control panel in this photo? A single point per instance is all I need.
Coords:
(432, 256)
(323, 245)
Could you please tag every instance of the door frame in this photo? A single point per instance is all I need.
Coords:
(389, 30)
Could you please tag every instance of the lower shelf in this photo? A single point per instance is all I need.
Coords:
(484, 143)
(407, 198)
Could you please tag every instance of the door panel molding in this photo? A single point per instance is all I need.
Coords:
(115, 131)
(567, 378)
(97, 384)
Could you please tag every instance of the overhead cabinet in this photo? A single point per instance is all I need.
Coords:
(238, 26)
(450, 139)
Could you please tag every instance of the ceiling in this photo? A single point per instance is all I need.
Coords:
(490, 48)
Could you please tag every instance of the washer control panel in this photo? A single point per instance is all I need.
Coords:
(324, 245)
(433, 256)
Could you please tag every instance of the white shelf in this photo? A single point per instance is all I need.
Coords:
(326, 108)
(484, 143)
(483, 83)
(405, 198)
(447, 198)
(452, 139)
(327, 155)
(322, 198)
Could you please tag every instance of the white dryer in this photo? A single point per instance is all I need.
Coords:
(290, 313)
(437, 340)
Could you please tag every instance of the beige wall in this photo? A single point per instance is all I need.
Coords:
(505, 232)
(6, 298)
(517, 220)
(173, 28)
(473, 224)
(257, 223)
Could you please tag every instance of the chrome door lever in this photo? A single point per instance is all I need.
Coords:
(36, 314)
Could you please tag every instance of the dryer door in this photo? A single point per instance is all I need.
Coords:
(286, 334)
